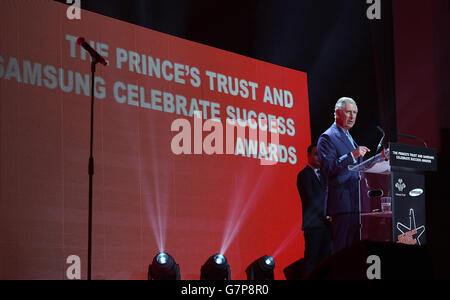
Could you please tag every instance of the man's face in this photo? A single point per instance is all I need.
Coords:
(313, 158)
(346, 116)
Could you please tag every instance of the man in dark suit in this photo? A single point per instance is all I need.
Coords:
(311, 185)
(337, 150)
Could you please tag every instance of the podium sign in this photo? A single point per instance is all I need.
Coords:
(414, 158)
(392, 194)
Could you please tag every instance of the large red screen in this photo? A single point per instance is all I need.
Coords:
(148, 197)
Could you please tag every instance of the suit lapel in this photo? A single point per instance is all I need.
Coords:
(341, 135)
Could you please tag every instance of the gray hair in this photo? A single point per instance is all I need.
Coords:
(341, 102)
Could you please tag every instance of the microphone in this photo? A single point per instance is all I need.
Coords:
(380, 144)
(413, 138)
(97, 58)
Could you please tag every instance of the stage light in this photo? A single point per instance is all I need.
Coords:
(269, 261)
(219, 259)
(261, 269)
(163, 267)
(216, 268)
(162, 258)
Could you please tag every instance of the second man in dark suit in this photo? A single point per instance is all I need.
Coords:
(311, 184)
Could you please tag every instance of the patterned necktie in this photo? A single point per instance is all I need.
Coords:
(351, 139)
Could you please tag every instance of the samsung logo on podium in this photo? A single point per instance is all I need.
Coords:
(416, 192)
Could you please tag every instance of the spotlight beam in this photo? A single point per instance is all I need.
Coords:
(156, 192)
(295, 232)
(239, 213)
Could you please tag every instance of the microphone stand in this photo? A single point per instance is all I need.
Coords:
(95, 59)
(91, 169)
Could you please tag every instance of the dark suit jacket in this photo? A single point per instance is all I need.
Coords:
(312, 193)
(334, 151)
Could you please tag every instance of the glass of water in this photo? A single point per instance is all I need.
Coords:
(386, 204)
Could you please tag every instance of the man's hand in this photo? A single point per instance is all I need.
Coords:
(360, 151)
